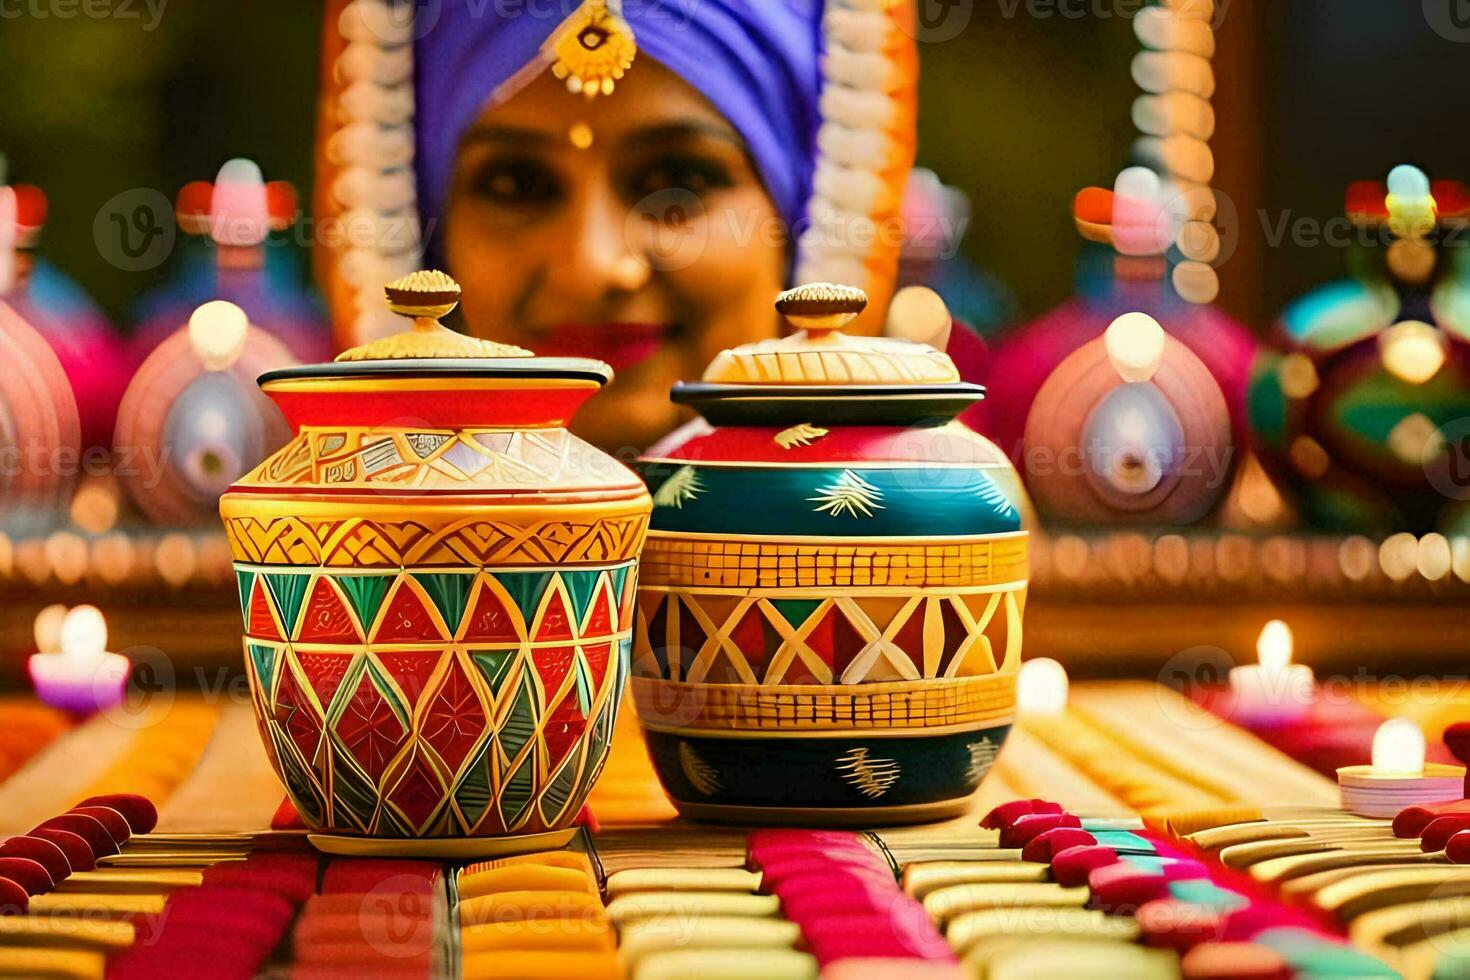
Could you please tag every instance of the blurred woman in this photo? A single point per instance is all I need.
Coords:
(732, 148)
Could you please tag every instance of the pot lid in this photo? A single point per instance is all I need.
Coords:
(823, 376)
(820, 354)
(425, 296)
(428, 348)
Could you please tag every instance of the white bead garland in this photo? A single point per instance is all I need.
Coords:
(374, 146)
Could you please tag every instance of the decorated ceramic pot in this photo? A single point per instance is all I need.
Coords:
(437, 583)
(829, 617)
(1360, 402)
(40, 434)
(1130, 427)
(90, 351)
(192, 420)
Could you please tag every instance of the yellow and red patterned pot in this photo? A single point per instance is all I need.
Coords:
(830, 608)
(437, 583)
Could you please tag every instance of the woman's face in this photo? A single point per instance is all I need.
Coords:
(631, 228)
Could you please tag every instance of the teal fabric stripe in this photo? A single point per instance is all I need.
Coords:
(837, 502)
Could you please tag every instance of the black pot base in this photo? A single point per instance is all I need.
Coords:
(861, 817)
(846, 780)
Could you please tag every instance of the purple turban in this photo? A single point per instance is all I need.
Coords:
(756, 61)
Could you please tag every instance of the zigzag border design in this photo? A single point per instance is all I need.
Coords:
(365, 543)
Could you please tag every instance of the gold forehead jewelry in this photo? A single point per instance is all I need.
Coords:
(592, 48)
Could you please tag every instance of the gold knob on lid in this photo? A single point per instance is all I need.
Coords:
(425, 296)
(427, 293)
(821, 308)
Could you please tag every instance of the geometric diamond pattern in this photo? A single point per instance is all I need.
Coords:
(438, 702)
(454, 719)
(369, 729)
(361, 543)
(723, 638)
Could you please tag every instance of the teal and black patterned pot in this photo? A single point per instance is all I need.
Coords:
(831, 594)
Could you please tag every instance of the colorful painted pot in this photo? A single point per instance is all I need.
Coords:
(437, 584)
(40, 434)
(829, 618)
(1359, 405)
(1028, 355)
(1118, 436)
(192, 420)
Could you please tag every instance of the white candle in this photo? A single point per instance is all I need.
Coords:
(1041, 688)
(1273, 690)
(81, 675)
(1399, 776)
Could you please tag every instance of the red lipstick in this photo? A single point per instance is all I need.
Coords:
(621, 345)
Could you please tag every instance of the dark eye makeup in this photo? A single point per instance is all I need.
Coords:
(693, 173)
(516, 182)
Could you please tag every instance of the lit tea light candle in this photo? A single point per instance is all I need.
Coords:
(1273, 690)
(1041, 688)
(73, 669)
(1399, 777)
(217, 333)
(47, 628)
(1135, 344)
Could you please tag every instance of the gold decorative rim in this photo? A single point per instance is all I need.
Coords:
(430, 342)
(894, 709)
(442, 510)
(441, 848)
(822, 539)
(728, 561)
(376, 383)
(867, 464)
(384, 536)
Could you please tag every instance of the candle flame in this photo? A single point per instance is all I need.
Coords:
(1398, 747)
(48, 628)
(84, 633)
(1135, 346)
(1274, 646)
(217, 332)
(1041, 687)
